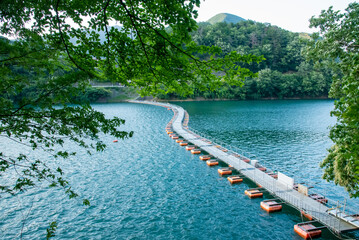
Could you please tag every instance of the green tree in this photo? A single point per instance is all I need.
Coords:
(268, 83)
(57, 52)
(337, 42)
(92, 94)
(290, 85)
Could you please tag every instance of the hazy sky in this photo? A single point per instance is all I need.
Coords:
(291, 15)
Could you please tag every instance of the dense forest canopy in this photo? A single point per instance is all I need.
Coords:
(281, 48)
(283, 74)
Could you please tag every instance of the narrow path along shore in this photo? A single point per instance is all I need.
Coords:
(281, 187)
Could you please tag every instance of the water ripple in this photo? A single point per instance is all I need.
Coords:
(148, 187)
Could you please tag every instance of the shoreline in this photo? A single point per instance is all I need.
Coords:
(200, 99)
(224, 99)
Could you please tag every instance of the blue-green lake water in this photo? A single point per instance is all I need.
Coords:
(148, 187)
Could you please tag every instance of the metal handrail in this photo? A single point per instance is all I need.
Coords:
(316, 210)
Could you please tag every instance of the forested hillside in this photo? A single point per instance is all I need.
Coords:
(284, 73)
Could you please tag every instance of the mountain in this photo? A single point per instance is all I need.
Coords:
(225, 17)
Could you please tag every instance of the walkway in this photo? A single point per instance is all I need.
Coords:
(275, 187)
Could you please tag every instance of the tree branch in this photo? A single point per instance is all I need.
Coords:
(139, 36)
(63, 40)
(17, 57)
(107, 33)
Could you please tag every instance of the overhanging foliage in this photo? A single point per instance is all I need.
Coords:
(57, 52)
(337, 41)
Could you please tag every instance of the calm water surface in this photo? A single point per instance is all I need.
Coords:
(148, 187)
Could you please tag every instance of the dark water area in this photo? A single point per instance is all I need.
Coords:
(148, 187)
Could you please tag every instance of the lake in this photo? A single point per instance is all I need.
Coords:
(148, 187)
